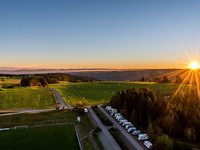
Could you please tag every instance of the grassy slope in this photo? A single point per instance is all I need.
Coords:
(26, 98)
(40, 138)
(100, 92)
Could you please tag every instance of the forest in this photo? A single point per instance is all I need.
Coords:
(178, 117)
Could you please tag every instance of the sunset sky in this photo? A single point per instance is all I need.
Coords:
(98, 33)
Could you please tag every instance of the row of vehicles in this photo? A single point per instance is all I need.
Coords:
(129, 127)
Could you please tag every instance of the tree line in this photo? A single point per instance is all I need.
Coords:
(164, 79)
(52, 78)
(179, 117)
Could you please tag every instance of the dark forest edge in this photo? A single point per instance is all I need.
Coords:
(161, 118)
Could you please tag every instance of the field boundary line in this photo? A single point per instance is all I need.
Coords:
(79, 140)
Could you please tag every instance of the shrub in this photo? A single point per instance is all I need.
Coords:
(163, 142)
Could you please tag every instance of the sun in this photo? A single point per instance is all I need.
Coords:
(194, 65)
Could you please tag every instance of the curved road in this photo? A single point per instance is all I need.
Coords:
(60, 100)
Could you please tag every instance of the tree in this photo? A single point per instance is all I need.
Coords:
(165, 80)
(142, 79)
(190, 134)
(163, 142)
(178, 79)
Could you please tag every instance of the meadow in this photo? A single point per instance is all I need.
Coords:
(26, 98)
(40, 138)
(101, 92)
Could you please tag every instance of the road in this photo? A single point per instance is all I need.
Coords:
(122, 130)
(21, 111)
(111, 143)
(60, 100)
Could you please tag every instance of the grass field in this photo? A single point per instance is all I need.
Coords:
(40, 138)
(7, 80)
(100, 92)
(84, 127)
(26, 98)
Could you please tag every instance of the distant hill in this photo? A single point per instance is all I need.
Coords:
(98, 74)
(134, 75)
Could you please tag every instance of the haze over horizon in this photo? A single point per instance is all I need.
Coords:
(98, 34)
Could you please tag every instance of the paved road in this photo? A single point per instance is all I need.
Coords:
(60, 99)
(112, 144)
(122, 130)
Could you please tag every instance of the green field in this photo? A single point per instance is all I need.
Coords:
(84, 127)
(9, 81)
(26, 98)
(40, 138)
(100, 92)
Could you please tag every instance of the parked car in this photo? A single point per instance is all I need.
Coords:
(113, 113)
(137, 132)
(117, 114)
(125, 123)
(143, 137)
(118, 118)
(108, 107)
(131, 129)
(122, 121)
(112, 110)
(128, 126)
(85, 110)
(148, 144)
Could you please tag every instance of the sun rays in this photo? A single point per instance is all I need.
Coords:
(190, 78)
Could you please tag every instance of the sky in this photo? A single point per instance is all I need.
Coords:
(98, 33)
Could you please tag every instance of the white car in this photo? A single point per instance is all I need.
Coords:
(137, 132)
(143, 137)
(128, 126)
(85, 110)
(108, 107)
(116, 114)
(148, 144)
(125, 123)
(113, 110)
(118, 117)
(131, 129)
(122, 121)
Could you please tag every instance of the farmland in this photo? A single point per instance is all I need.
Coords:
(26, 98)
(101, 92)
(40, 138)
